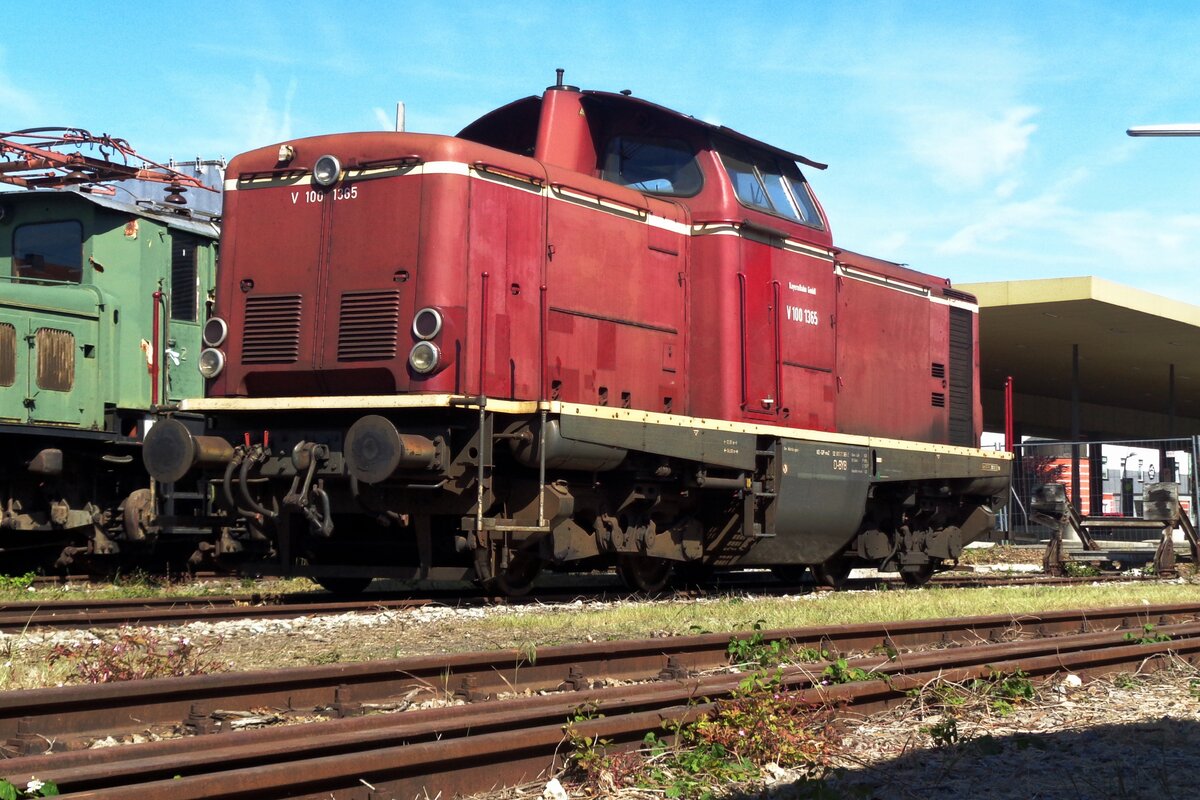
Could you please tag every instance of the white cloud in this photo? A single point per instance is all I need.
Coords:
(22, 109)
(386, 123)
(240, 117)
(18, 105)
(965, 149)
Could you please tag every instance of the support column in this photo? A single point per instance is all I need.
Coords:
(1165, 472)
(1076, 434)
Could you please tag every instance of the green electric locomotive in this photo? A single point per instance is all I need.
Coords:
(102, 301)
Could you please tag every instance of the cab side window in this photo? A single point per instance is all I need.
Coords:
(769, 183)
(655, 166)
(49, 251)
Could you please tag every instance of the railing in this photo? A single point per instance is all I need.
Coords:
(1102, 478)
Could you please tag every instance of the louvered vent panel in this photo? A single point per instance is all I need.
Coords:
(55, 359)
(8, 355)
(937, 370)
(184, 289)
(962, 386)
(938, 400)
(272, 329)
(368, 325)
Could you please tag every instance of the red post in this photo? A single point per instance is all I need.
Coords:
(154, 349)
(1009, 444)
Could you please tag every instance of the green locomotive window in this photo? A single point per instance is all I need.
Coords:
(656, 166)
(49, 251)
(184, 289)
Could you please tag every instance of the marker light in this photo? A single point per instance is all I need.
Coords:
(211, 362)
(327, 170)
(424, 357)
(427, 323)
(215, 331)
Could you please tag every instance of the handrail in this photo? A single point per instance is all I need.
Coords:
(484, 166)
(612, 203)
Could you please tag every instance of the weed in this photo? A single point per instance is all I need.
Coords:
(1005, 691)
(755, 649)
(1014, 686)
(133, 654)
(945, 696)
(761, 723)
(528, 652)
(1148, 636)
(944, 733)
(17, 583)
(34, 788)
(810, 654)
(1123, 680)
(1194, 688)
(138, 579)
(840, 671)
(1079, 569)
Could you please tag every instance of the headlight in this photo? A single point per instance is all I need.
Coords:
(215, 331)
(327, 170)
(211, 362)
(424, 357)
(427, 323)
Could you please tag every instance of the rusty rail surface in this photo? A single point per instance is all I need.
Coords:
(31, 718)
(471, 748)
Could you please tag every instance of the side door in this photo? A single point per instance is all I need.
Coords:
(760, 298)
(13, 368)
(63, 377)
(185, 314)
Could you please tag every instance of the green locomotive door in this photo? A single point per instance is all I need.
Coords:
(62, 377)
(13, 370)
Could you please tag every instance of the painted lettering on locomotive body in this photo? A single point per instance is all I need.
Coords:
(587, 329)
(314, 196)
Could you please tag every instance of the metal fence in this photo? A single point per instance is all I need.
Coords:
(1101, 478)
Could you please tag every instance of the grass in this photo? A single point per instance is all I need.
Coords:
(23, 656)
(19, 588)
(669, 618)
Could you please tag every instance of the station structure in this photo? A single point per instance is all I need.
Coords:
(1105, 388)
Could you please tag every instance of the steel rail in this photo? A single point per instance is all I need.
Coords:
(472, 748)
(77, 712)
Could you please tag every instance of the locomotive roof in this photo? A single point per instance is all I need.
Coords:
(199, 223)
(527, 108)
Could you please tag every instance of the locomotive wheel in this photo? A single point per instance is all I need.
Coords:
(644, 574)
(517, 580)
(342, 586)
(789, 574)
(833, 573)
(920, 577)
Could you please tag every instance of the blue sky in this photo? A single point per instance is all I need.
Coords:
(976, 141)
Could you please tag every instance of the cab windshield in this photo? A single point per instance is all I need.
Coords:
(49, 251)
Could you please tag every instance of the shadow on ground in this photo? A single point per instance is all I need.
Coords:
(1153, 760)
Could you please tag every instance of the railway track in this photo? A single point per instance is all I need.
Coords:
(93, 613)
(469, 747)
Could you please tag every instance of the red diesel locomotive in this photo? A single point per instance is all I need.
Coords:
(587, 331)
